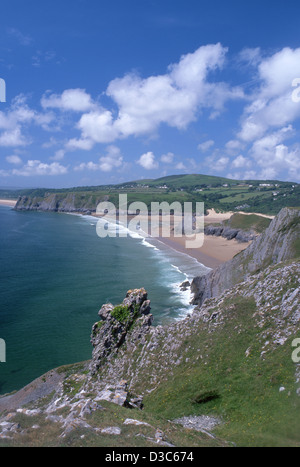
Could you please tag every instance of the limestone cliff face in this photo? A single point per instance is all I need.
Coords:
(60, 202)
(276, 244)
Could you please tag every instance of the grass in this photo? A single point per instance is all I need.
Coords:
(247, 222)
(242, 390)
(121, 313)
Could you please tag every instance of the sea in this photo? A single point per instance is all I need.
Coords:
(56, 273)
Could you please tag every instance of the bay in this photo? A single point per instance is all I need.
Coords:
(55, 274)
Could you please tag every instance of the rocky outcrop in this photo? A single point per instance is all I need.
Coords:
(110, 333)
(242, 236)
(273, 246)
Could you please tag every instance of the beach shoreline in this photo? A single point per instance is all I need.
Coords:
(214, 251)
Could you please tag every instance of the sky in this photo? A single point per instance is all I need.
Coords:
(97, 92)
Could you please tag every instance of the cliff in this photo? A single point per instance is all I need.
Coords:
(61, 202)
(278, 243)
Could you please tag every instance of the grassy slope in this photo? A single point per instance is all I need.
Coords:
(248, 222)
(246, 389)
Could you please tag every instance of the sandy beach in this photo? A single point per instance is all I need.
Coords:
(215, 250)
(8, 202)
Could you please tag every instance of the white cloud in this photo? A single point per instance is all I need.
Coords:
(206, 145)
(13, 138)
(180, 166)
(76, 100)
(14, 159)
(58, 156)
(175, 98)
(234, 146)
(272, 105)
(241, 162)
(84, 144)
(18, 117)
(87, 166)
(36, 167)
(147, 161)
(272, 156)
(97, 127)
(167, 158)
(221, 164)
(112, 160)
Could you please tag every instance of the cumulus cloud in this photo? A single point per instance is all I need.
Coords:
(36, 167)
(17, 118)
(234, 146)
(167, 158)
(175, 98)
(13, 138)
(180, 166)
(221, 164)
(84, 144)
(111, 160)
(267, 119)
(272, 105)
(14, 159)
(97, 127)
(147, 161)
(76, 100)
(273, 156)
(59, 155)
(206, 145)
(241, 162)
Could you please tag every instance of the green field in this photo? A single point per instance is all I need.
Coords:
(266, 197)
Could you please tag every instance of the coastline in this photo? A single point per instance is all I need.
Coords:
(214, 252)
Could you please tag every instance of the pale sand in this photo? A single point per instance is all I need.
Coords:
(215, 250)
(8, 202)
(214, 217)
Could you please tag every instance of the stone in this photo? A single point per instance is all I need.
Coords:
(111, 430)
(131, 421)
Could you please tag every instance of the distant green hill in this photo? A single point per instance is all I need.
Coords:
(222, 194)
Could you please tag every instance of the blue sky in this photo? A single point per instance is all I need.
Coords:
(101, 92)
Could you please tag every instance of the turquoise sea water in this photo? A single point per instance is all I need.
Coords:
(55, 274)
